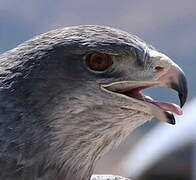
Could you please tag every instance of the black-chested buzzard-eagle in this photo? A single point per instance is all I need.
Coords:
(69, 95)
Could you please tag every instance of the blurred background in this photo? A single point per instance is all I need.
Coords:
(156, 150)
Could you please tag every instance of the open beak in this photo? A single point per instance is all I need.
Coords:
(173, 78)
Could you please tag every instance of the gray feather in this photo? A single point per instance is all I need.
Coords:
(55, 122)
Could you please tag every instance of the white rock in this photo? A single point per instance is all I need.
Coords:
(107, 177)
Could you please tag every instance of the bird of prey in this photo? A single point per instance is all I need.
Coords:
(69, 95)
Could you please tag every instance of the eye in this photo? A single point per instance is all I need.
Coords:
(98, 61)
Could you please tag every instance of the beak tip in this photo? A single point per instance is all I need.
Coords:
(182, 99)
(181, 88)
(170, 118)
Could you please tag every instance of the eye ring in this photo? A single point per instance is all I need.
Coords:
(98, 61)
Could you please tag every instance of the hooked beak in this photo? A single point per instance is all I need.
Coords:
(175, 79)
(171, 76)
(181, 87)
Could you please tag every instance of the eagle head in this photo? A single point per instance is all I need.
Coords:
(74, 93)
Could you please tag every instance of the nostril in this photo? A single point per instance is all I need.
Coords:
(159, 68)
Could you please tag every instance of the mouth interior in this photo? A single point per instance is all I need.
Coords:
(135, 93)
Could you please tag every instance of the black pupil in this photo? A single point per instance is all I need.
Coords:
(98, 60)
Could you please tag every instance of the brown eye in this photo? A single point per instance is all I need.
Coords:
(98, 61)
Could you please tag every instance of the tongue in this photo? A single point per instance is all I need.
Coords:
(168, 107)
